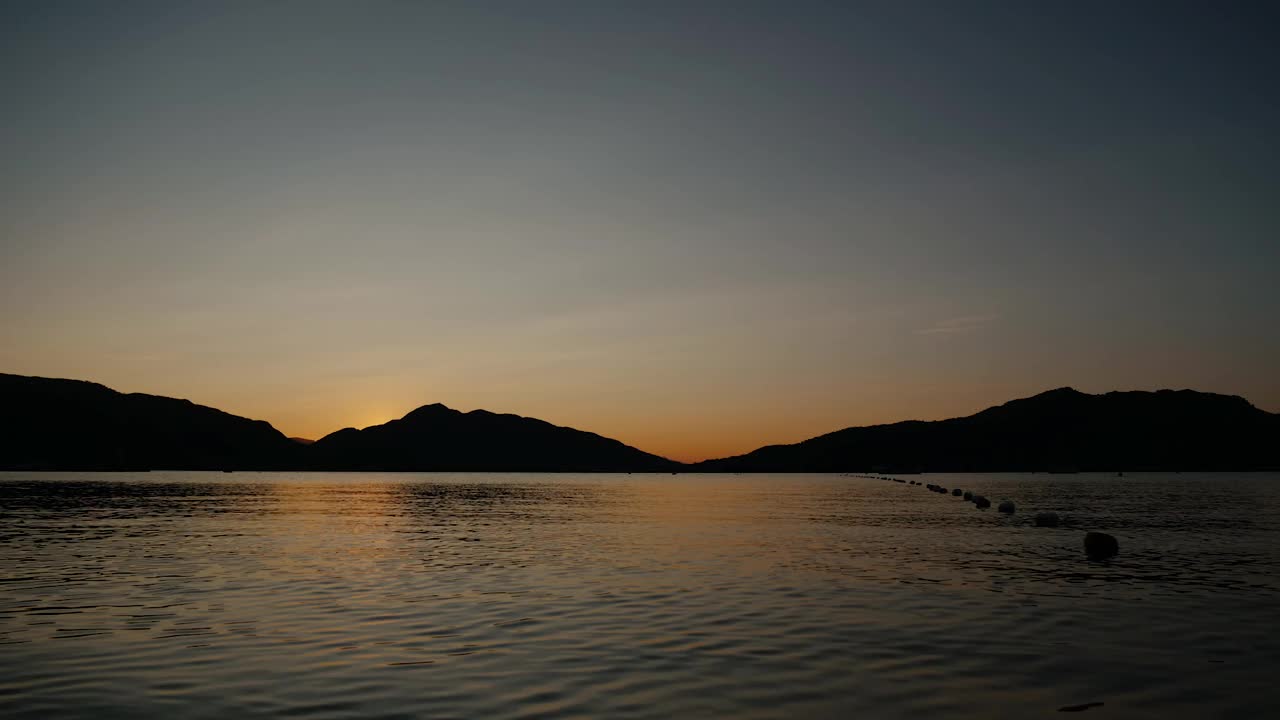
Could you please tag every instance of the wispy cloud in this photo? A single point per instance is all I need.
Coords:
(958, 325)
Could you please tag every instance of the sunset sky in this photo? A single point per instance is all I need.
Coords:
(696, 227)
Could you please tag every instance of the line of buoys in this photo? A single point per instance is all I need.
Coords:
(1097, 545)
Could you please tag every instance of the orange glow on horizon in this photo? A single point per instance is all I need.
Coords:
(690, 436)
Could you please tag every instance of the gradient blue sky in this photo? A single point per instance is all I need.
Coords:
(696, 227)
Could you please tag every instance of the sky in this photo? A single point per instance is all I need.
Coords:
(695, 227)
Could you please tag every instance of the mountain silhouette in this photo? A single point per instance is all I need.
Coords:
(51, 424)
(438, 438)
(54, 424)
(1059, 430)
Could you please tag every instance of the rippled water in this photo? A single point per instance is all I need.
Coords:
(361, 595)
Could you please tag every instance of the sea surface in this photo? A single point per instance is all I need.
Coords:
(334, 595)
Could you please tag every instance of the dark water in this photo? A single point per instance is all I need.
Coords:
(351, 595)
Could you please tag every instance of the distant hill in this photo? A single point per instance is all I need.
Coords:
(437, 438)
(1059, 430)
(50, 424)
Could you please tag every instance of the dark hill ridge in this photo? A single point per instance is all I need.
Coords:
(1058, 430)
(438, 438)
(53, 424)
(50, 424)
